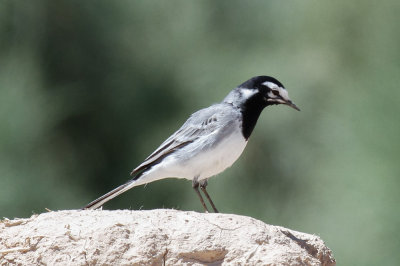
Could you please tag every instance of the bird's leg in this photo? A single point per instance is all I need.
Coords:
(203, 185)
(195, 185)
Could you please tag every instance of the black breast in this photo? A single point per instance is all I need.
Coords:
(251, 110)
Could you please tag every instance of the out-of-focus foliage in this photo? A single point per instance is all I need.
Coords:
(89, 89)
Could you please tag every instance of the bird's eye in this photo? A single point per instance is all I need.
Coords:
(276, 93)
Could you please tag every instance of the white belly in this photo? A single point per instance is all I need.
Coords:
(216, 160)
(209, 162)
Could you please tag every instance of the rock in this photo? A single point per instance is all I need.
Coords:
(155, 237)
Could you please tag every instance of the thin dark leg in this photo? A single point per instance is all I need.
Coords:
(195, 186)
(203, 185)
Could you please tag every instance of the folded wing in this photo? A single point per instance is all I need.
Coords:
(199, 124)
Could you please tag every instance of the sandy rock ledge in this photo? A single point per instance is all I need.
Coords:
(156, 237)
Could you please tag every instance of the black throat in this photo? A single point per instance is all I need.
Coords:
(251, 111)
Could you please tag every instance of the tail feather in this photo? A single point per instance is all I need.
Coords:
(110, 195)
(140, 178)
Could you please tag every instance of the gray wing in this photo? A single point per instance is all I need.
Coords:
(199, 124)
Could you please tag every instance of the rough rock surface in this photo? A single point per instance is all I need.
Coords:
(156, 237)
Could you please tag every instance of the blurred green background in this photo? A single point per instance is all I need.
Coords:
(88, 90)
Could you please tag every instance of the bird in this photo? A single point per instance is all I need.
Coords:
(209, 142)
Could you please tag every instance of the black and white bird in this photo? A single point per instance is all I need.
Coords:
(210, 141)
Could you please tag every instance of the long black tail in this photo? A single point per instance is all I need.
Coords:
(110, 195)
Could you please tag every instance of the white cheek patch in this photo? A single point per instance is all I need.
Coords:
(271, 95)
(276, 100)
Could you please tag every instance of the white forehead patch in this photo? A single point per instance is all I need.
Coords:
(271, 85)
(282, 92)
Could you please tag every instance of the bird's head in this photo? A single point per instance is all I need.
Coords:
(262, 91)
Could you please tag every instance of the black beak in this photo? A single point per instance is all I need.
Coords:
(291, 104)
